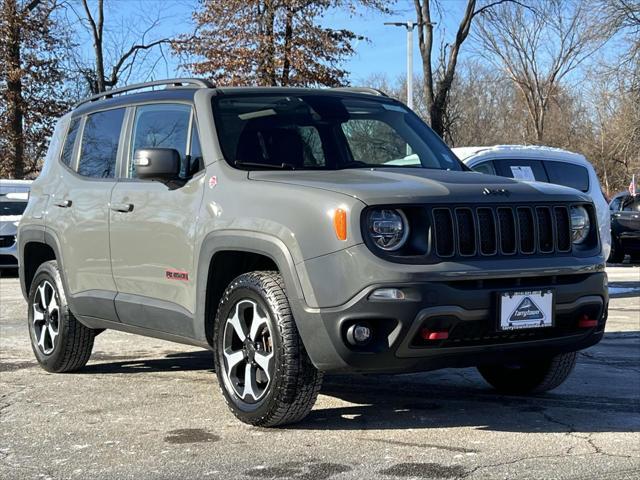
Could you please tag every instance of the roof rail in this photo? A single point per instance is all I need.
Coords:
(170, 83)
(369, 90)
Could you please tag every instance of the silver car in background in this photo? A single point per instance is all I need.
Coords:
(543, 164)
(14, 195)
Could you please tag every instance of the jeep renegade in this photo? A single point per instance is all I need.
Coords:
(300, 231)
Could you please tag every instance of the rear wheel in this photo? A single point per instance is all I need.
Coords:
(59, 342)
(534, 376)
(263, 369)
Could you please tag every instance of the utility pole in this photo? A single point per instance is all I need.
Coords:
(409, 25)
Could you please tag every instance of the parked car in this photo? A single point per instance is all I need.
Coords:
(275, 227)
(13, 201)
(543, 164)
(625, 227)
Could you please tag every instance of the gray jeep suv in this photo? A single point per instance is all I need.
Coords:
(300, 231)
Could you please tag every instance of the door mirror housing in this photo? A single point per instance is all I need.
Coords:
(161, 164)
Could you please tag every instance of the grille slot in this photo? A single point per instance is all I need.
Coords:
(563, 229)
(487, 231)
(467, 231)
(7, 241)
(526, 230)
(507, 231)
(443, 229)
(545, 229)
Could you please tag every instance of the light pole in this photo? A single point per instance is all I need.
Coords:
(409, 25)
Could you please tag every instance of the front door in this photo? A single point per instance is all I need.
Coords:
(153, 226)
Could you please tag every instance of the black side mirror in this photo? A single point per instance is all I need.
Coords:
(162, 164)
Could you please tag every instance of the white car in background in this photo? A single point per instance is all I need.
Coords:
(14, 195)
(543, 164)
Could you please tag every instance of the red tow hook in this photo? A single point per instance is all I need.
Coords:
(586, 322)
(427, 334)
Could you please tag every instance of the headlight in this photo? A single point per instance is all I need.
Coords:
(388, 228)
(580, 224)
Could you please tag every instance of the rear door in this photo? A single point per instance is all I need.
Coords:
(153, 225)
(78, 212)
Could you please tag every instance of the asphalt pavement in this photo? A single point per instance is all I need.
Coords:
(145, 408)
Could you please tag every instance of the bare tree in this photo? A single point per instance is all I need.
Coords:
(114, 56)
(438, 82)
(539, 47)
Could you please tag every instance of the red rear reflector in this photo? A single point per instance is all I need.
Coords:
(431, 335)
(586, 322)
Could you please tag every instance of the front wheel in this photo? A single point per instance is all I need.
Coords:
(263, 370)
(617, 253)
(534, 376)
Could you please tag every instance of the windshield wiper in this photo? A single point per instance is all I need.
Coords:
(281, 166)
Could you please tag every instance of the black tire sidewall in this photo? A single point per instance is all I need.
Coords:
(240, 290)
(49, 271)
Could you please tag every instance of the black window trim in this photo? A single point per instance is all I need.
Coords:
(129, 121)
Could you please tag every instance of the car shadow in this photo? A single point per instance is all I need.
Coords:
(179, 361)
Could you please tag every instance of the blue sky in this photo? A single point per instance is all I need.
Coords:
(384, 52)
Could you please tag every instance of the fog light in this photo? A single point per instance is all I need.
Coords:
(359, 334)
(387, 294)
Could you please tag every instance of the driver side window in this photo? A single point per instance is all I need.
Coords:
(161, 126)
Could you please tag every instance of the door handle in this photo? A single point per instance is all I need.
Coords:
(122, 207)
(64, 204)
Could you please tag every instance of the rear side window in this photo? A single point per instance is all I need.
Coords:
(100, 144)
(631, 204)
(161, 126)
(67, 150)
(568, 174)
(522, 169)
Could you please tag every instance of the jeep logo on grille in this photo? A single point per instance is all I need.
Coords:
(496, 191)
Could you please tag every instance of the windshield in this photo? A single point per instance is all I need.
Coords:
(12, 208)
(325, 132)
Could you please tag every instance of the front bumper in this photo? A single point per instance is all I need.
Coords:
(467, 309)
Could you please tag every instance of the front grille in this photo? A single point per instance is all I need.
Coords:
(7, 241)
(501, 230)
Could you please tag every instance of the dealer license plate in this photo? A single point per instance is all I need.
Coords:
(526, 309)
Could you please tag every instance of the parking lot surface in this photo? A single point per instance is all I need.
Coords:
(144, 408)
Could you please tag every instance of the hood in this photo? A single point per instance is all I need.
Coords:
(419, 185)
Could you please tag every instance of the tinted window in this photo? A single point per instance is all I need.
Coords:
(485, 167)
(631, 204)
(12, 208)
(615, 204)
(521, 169)
(67, 150)
(161, 126)
(100, 144)
(568, 174)
(319, 131)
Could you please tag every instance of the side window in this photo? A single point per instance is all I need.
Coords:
(161, 126)
(568, 174)
(67, 149)
(312, 147)
(99, 147)
(484, 167)
(615, 204)
(631, 204)
(522, 169)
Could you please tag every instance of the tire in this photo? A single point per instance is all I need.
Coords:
(285, 390)
(536, 376)
(617, 253)
(70, 348)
